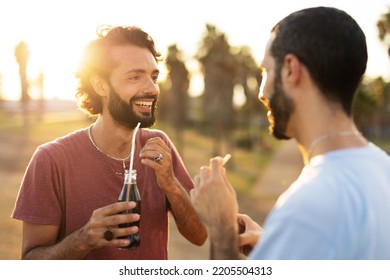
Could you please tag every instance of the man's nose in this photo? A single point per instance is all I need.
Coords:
(150, 86)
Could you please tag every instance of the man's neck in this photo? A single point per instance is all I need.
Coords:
(112, 138)
(323, 135)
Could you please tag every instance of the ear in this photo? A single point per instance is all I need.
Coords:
(99, 85)
(292, 69)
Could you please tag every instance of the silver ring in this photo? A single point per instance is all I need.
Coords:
(158, 158)
(108, 234)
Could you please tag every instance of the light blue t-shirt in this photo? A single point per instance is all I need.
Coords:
(338, 208)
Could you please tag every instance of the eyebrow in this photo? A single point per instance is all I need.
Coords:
(132, 71)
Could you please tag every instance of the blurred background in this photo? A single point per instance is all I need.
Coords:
(209, 84)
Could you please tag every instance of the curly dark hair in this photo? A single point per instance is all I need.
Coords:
(97, 61)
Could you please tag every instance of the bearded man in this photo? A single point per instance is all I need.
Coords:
(68, 197)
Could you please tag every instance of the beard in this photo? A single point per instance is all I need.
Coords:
(123, 113)
(280, 107)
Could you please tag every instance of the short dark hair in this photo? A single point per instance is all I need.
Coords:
(332, 46)
(97, 60)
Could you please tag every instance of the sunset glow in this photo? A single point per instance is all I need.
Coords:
(56, 31)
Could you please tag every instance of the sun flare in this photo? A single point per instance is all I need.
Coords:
(56, 32)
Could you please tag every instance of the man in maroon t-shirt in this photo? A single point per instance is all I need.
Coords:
(67, 200)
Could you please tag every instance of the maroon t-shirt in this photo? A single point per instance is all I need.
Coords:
(67, 179)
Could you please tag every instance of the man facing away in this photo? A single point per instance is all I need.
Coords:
(338, 208)
(68, 197)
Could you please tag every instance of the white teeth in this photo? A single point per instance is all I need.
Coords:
(143, 103)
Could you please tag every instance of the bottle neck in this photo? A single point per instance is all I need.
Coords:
(131, 178)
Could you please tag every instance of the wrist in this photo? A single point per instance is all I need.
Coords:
(218, 230)
(80, 242)
(224, 242)
(171, 186)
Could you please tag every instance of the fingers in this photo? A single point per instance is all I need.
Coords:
(153, 148)
(250, 231)
(109, 218)
(196, 181)
(115, 208)
(208, 171)
(216, 164)
(208, 175)
(217, 170)
(242, 218)
(116, 213)
(117, 233)
(157, 155)
(212, 193)
(204, 175)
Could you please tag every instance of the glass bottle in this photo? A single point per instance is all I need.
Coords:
(130, 193)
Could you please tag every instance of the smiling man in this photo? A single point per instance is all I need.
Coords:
(68, 197)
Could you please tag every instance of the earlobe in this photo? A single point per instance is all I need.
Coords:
(99, 85)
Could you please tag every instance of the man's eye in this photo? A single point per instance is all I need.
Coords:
(134, 78)
(155, 78)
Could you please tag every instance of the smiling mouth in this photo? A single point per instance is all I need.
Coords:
(144, 104)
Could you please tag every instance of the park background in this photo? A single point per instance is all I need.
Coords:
(209, 84)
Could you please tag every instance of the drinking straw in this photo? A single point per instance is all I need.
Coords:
(133, 147)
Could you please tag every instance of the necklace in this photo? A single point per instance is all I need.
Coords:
(325, 137)
(100, 152)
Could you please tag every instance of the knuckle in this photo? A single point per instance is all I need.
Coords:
(116, 219)
(113, 207)
(96, 212)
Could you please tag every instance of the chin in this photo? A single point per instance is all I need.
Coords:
(279, 133)
(147, 122)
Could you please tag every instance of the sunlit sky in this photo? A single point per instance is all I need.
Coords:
(56, 32)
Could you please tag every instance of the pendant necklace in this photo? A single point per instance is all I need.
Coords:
(100, 152)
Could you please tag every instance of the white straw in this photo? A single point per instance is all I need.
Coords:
(133, 147)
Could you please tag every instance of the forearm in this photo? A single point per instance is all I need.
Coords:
(70, 248)
(224, 243)
(187, 221)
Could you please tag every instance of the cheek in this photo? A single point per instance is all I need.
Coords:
(157, 89)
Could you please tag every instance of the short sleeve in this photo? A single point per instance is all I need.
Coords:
(39, 197)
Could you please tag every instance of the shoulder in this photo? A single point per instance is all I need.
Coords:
(147, 133)
(313, 198)
(68, 143)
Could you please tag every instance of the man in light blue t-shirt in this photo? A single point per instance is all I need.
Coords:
(338, 208)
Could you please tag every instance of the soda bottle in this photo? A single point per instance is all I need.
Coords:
(130, 193)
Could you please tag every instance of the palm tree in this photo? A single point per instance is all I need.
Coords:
(219, 67)
(253, 112)
(383, 26)
(22, 55)
(180, 80)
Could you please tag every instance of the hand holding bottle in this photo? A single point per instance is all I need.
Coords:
(92, 234)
